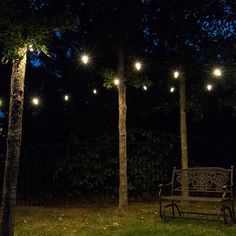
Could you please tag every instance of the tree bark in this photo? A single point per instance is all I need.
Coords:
(123, 188)
(13, 145)
(183, 134)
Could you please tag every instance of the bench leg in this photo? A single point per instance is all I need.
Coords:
(222, 212)
(233, 212)
(173, 209)
(173, 206)
(224, 209)
(176, 206)
(224, 215)
(161, 211)
(230, 213)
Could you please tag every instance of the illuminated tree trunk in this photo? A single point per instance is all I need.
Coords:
(123, 189)
(183, 133)
(13, 145)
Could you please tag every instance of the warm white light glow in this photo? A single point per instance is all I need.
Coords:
(0, 102)
(116, 82)
(66, 97)
(95, 91)
(145, 87)
(31, 48)
(209, 87)
(172, 89)
(138, 65)
(217, 72)
(85, 59)
(35, 101)
(176, 74)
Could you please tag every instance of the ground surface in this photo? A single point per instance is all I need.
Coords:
(142, 220)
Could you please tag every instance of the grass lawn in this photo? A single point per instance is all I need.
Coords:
(142, 219)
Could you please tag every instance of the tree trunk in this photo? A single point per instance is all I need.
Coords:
(123, 188)
(183, 133)
(13, 145)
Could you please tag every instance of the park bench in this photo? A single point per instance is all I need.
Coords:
(199, 185)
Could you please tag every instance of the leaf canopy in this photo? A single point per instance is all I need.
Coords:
(31, 22)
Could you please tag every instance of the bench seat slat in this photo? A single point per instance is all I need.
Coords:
(194, 199)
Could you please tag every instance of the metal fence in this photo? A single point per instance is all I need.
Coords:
(43, 168)
(54, 173)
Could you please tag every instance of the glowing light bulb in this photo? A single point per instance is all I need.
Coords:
(145, 87)
(31, 48)
(209, 87)
(138, 66)
(66, 98)
(176, 74)
(172, 89)
(95, 91)
(85, 59)
(35, 101)
(217, 72)
(116, 82)
(0, 102)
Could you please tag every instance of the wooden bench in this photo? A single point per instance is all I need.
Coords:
(202, 185)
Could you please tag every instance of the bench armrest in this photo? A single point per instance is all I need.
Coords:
(225, 189)
(161, 186)
(164, 185)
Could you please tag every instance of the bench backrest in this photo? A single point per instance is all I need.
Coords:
(203, 180)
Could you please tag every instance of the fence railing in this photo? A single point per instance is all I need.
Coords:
(88, 172)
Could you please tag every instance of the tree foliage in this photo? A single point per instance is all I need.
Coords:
(26, 22)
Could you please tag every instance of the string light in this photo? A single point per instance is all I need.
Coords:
(85, 59)
(217, 72)
(172, 89)
(66, 98)
(31, 48)
(138, 65)
(35, 101)
(145, 87)
(176, 74)
(116, 82)
(209, 87)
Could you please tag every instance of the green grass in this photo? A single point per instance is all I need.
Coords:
(142, 220)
